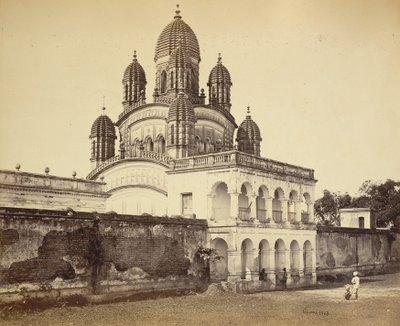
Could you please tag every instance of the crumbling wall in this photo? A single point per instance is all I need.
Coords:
(56, 249)
(343, 250)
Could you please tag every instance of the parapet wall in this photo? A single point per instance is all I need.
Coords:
(102, 253)
(341, 251)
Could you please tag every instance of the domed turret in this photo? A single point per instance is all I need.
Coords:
(102, 138)
(248, 136)
(177, 59)
(181, 120)
(219, 86)
(134, 83)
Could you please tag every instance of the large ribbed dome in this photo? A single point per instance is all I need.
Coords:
(175, 32)
(181, 109)
(219, 74)
(134, 71)
(248, 128)
(103, 126)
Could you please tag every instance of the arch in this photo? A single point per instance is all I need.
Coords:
(247, 258)
(277, 205)
(244, 201)
(163, 82)
(148, 144)
(294, 257)
(126, 91)
(160, 144)
(207, 145)
(172, 135)
(221, 202)
(280, 256)
(171, 85)
(219, 268)
(197, 142)
(263, 253)
(305, 208)
(261, 203)
(292, 205)
(307, 257)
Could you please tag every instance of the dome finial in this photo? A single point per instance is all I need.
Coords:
(177, 12)
(103, 109)
(134, 55)
(248, 111)
(219, 58)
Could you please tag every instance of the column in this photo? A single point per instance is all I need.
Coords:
(234, 265)
(210, 213)
(314, 265)
(234, 205)
(268, 207)
(284, 205)
(310, 207)
(298, 210)
(253, 207)
(287, 265)
(271, 265)
(301, 262)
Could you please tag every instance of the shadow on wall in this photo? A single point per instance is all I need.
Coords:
(87, 255)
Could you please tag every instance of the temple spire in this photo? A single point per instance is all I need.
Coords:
(177, 12)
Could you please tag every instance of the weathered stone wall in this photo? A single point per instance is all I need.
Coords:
(343, 250)
(56, 249)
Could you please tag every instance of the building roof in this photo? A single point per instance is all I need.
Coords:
(219, 74)
(248, 128)
(181, 109)
(134, 72)
(102, 126)
(175, 32)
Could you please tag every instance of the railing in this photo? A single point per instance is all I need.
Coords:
(261, 214)
(154, 156)
(236, 158)
(277, 216)
(291, 216)
(244, 214)
(305, 218)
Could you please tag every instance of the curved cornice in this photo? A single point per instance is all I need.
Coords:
(138, 186)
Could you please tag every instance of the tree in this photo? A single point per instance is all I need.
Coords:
(383, 199)
(326, 209)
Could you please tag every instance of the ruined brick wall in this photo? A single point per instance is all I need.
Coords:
(343, 250)
(60, 250)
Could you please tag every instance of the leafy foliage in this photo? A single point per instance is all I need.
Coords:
(382, 198)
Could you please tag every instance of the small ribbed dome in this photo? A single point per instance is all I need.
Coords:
(103, 126)
(219, 74)
(134, 71)
(179, 57)
(248, 128)
(181, 109)
(175, 32)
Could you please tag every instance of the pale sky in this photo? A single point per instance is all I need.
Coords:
(322, 77)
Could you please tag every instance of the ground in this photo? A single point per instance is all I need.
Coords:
(378, 305)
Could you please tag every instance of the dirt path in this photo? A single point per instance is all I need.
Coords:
(379, 304)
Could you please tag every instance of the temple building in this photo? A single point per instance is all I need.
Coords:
(183, 153)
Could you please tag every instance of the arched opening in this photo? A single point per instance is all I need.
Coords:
(280, 257)
(197, 144)
(261, 203)
(188, 81)
(292, 205)
(163, 77)
(247, 258)
(305, 208)
(171, 81)
(221, 202)
(263, 255)
(172, 135)
(160, 144)
(277, 205)
(218, 145)
(244, 206)
(219, 268)
(307, 257)
(207, 145)
(93, 149)
(149, 145)
(294, 258)
(361, 222)
(126, 91)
